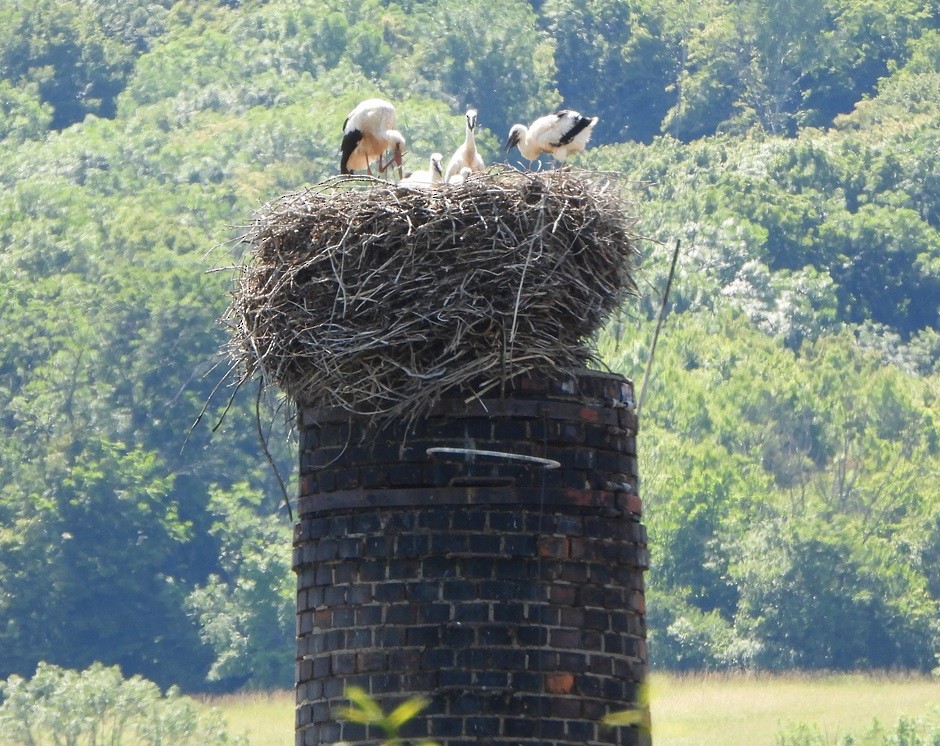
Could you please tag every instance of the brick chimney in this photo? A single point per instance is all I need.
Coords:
(488, 556)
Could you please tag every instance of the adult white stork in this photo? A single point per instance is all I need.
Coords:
(426, 179)
(466, 156)
(368, 132)
(562, 134)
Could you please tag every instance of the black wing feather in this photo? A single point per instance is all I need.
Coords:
(580, 124)
(350, 141)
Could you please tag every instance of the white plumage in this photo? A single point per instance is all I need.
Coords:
(561, 134)
(460, 178)
(368, 132)
(426, 179)
(466, 156)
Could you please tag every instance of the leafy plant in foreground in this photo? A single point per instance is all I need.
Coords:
(364, 710)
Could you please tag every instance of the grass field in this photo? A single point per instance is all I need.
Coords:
(700, 710)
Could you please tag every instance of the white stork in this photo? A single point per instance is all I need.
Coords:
(426, 179)
(466, 156)
(460, 178)
(368, 132)
(562, 134)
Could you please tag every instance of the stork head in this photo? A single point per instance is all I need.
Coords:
(471, 119)
(437, 167)
(398, 149)
(516, 133)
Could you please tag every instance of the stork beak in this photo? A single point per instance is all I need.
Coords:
(512, 141)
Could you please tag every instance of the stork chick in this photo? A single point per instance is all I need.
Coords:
(466, 156)
(562, 134)
(460, 178)
(368, 133)
(426, 179)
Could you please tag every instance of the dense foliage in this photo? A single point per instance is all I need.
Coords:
(790, 433)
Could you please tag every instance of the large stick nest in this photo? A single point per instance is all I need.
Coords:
(378, 299)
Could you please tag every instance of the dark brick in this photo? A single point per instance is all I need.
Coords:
(377, 546)
(324, 575)
(477, 567)
(519, 728)
(368, 615)
(401, 614)
(321, 667)
(445, 726)
(372, 660)
(532, 635)
(565, 638)
(333, 688)
(424, 591)
(521, 545)
(472, 612)
(349, 548)
(566, 707)
(343, 617)
(494, 636)
(428, 613)
(460, 590)
(589, 686)
(438, 567)
(505, 521)
(581, 731)
(572, 661)
(467, 703)
(335, 639)
(505, 590)
(359, 638)
(512, 569)
(526, 681)
(445, 544)
(387, 592)
(469, 520)
(510, 612)
(597, 619)
(601, 665)
(386, 682)
(457, 635)
(482, 726)
(456, 678)
(344, 573)
(359, 594)
(424, 635)
(373, 570)
(408, 545)
(437, 658)
(498, 679)
(343, 663)
(484, 543)
(390, 637)
(404, 568)
(335, 595)
(366, 523)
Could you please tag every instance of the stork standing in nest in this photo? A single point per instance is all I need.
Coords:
(562, 134)
(466, 156)
(368, 133)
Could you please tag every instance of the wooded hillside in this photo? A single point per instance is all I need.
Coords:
(790, 448)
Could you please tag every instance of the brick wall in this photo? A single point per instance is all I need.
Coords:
(508, 593)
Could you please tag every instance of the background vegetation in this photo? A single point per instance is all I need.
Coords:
(790, 435)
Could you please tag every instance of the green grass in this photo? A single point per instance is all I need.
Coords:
(695, 710)
(266, 717)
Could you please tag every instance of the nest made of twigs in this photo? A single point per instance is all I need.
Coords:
(375, 298)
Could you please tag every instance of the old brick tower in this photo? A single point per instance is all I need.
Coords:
(489, 556)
